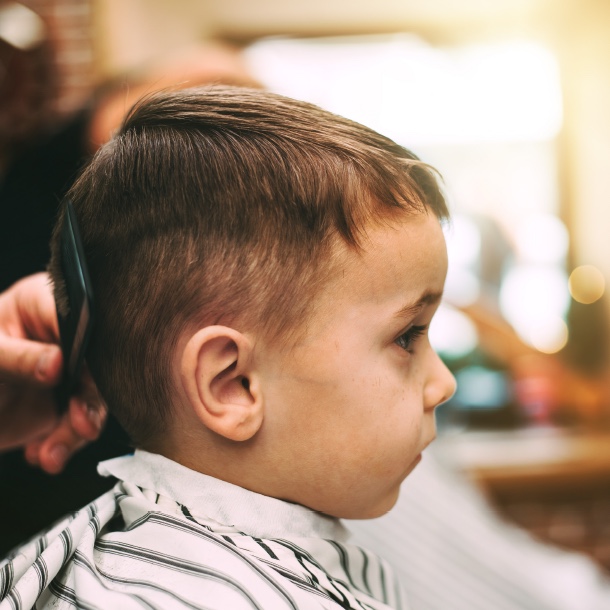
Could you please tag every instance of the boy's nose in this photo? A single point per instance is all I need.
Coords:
(440, 386)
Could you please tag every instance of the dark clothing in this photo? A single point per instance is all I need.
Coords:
(30, 192)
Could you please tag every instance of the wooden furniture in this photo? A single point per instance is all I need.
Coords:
(555, 483)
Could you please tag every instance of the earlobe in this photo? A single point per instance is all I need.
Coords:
(221, 387)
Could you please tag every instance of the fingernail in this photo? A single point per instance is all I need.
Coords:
(95, 418)
(59, 455)
(44, 364)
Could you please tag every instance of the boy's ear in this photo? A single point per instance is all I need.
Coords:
(219, 383)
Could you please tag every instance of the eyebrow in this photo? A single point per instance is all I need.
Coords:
(412, 309)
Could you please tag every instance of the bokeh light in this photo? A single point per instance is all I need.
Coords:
(463, 241)
(543, 239)
(452, 333)
(462, 286)
(587, 284)
(549, 335)
(503, 91)
(535, 300)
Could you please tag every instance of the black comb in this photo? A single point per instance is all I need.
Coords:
(75, 326)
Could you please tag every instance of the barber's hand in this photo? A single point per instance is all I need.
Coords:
(30, 366)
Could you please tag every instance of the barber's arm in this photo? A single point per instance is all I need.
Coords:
(30, 367)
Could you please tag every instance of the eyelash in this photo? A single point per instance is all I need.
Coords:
(408, 339)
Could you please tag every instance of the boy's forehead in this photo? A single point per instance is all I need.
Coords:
(413, 248)
(399, 265)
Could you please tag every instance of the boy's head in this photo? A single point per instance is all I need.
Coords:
(256, 263)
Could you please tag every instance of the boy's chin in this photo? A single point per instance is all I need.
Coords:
(372, 511)
(384, 504)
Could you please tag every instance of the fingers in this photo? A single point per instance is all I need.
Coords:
(56, 450)
(31, 364)
(33, 298)
(28, 333)
(27, 412)
(79, 426)
(87, 419)
(31, 451)
(27, 361)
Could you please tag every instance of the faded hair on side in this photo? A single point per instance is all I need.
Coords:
(222, 205)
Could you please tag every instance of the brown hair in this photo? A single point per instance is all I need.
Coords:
(221, 205)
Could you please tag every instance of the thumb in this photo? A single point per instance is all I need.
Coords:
(27, 361)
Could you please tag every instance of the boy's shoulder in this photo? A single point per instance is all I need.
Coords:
(134, 546)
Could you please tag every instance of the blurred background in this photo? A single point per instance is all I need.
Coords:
(508, 99)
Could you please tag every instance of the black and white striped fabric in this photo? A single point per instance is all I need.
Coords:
(167, 537)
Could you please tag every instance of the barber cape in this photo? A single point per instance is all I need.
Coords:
(168, 537)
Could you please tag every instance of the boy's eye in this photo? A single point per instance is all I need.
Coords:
(408, 339)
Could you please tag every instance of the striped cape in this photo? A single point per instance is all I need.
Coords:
(225, 548)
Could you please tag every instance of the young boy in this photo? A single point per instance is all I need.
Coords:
(264, 273)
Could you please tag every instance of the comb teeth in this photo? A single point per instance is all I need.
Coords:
(68, 262)
(62, 297)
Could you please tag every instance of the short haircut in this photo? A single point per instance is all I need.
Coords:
(222, 205)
